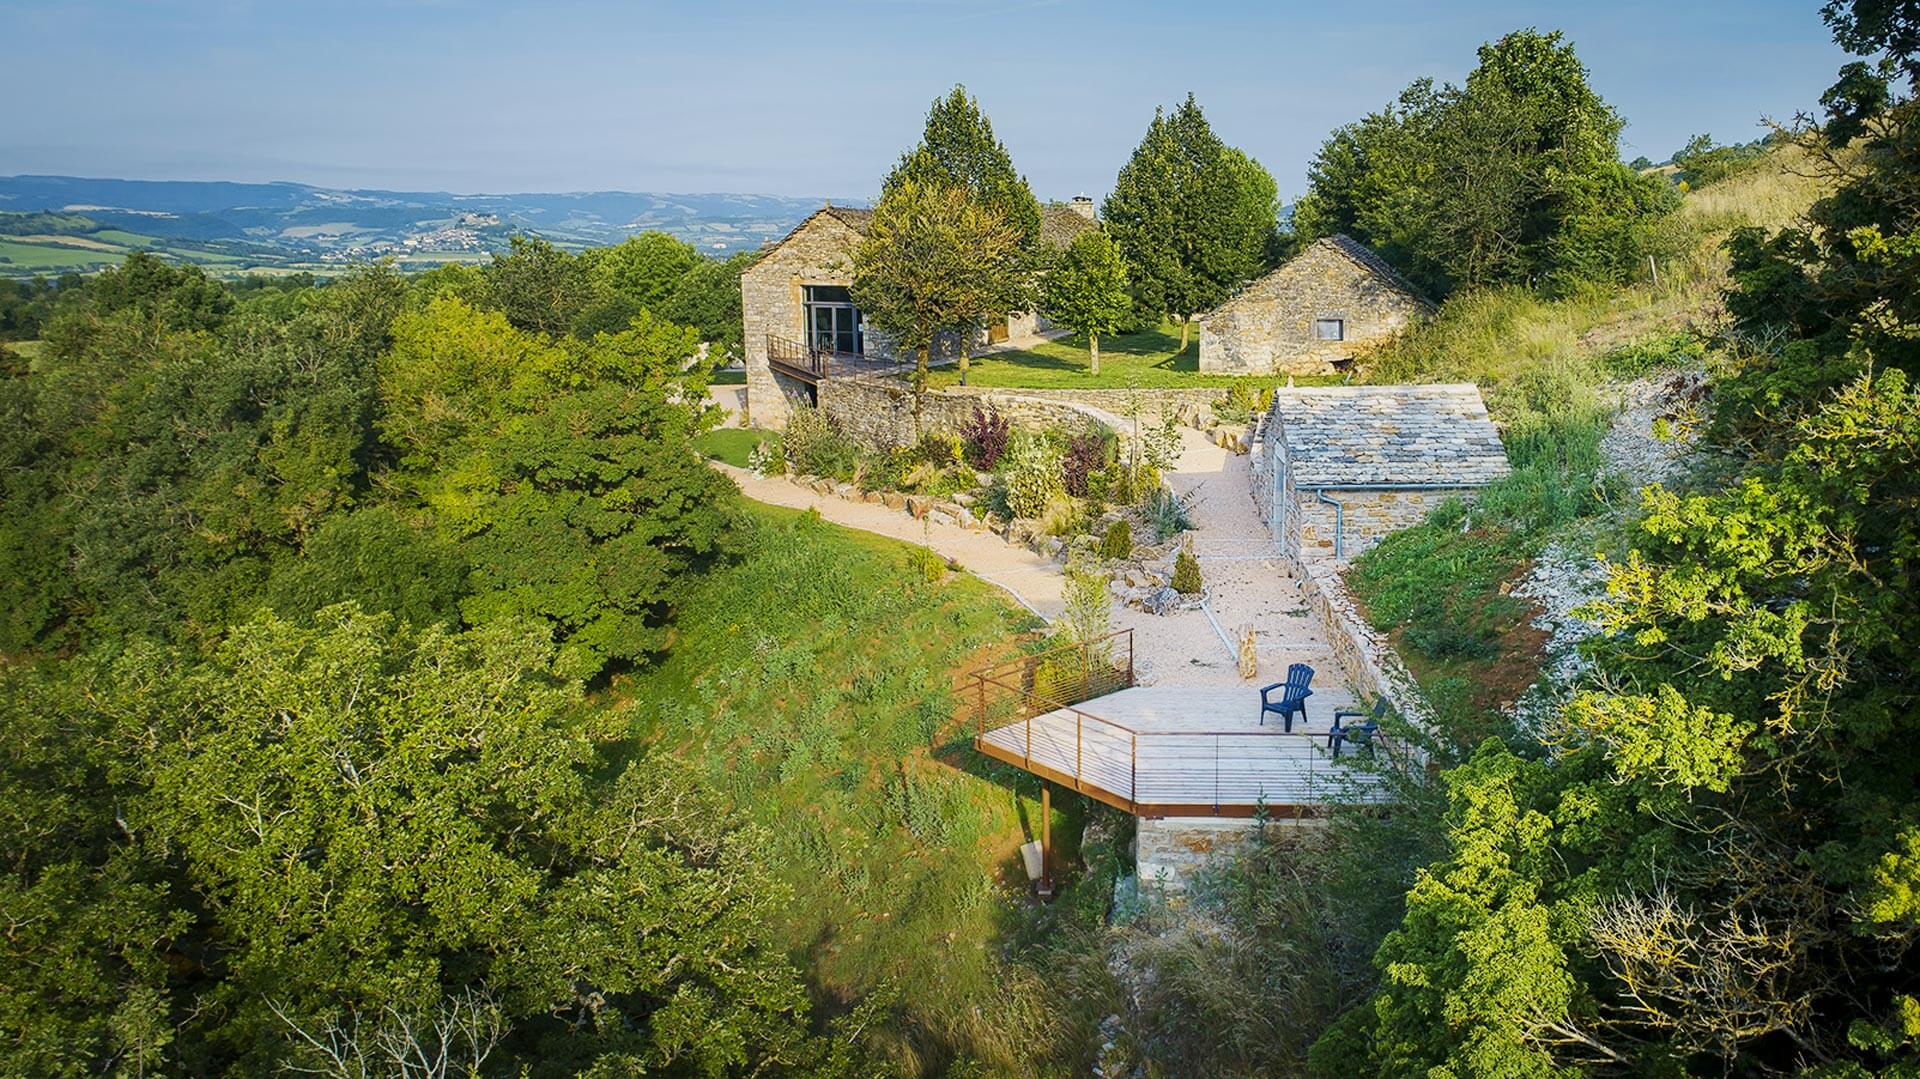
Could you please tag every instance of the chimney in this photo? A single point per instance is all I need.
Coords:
(1082, 205)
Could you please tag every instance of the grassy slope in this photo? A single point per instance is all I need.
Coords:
(1543, 365)
(813, 682)
(1151, 358)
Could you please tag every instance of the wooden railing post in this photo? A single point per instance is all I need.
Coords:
(1133, 768)
(1216, 773)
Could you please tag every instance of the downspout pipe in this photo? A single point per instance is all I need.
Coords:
(1339, 521)
(1340, 510)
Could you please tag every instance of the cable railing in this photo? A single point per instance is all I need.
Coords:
(1027, 714)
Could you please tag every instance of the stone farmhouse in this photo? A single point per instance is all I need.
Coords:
(801, 325)
(1312, 315)
(1336, 468)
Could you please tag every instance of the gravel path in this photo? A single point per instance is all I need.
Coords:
(1246, 583)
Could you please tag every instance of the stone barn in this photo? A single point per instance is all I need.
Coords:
(1313, 315)
(1335, 468)
(801, 325)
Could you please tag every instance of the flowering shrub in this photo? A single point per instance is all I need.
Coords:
(1085, 453)
(986, 435)
(1032, 472)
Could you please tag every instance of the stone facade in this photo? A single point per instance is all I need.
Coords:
(820, 252)
(1274, 324)
(772, 297)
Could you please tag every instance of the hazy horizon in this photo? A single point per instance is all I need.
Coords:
(758, 98)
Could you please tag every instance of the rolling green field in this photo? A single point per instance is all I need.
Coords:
(17, 257)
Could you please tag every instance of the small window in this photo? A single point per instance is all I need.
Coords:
(1329, 329)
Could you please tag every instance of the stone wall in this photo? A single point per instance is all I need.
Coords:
(1169, 851)
(1269, 326)
(1370, 517)
(1118, 401)
(880, 412)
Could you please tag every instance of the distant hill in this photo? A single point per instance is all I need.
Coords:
(54, 224)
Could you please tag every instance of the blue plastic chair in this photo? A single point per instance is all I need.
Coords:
(1293, 699)
(1360, 734)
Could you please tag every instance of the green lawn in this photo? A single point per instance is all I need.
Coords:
(730, 444)
(812, 685)
(1151, 359)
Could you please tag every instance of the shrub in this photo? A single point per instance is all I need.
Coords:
(815, 448)
(986, 435)
(1032, 472)
(925, 562)
(768, 457)
(1062, 517)
(1085, 453)
(886, 470)
(1118, 542)
(939, 449)
(1186, 573)
(1168, 513)
(1242, 402)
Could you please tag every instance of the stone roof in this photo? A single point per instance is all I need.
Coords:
(1360, 436)
(1353, 251)
(855, 219)
(1060, 224)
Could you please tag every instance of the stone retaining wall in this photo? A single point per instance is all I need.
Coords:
(1169, 851)
(1115, 401)
(1365, 654)
(881, 411)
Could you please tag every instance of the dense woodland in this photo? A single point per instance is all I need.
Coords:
(391, 688)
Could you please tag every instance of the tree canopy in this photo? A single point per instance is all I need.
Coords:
(934, 261)
(1194, 218)
(1514, 177)
(1086, 290)
(1713, 866)
(959, 149)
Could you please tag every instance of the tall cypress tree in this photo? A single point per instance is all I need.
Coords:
(1194, 217)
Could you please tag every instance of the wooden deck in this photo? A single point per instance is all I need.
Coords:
(1169, 751)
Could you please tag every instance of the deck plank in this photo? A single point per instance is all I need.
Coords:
(1189, 746)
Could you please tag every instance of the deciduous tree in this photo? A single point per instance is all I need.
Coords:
(1086, 290)
(936, 261)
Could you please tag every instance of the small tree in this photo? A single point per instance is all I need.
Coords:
(1186, 573)
(935, 261)
(1086, 291)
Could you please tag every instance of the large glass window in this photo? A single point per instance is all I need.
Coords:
(833, 322)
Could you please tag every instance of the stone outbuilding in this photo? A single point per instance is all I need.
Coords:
(1312, 315)
(801, 325)
(1338, 467)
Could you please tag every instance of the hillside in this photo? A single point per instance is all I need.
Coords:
(1568, 380)
(55, 224)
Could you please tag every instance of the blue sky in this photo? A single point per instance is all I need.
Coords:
(804, 97)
